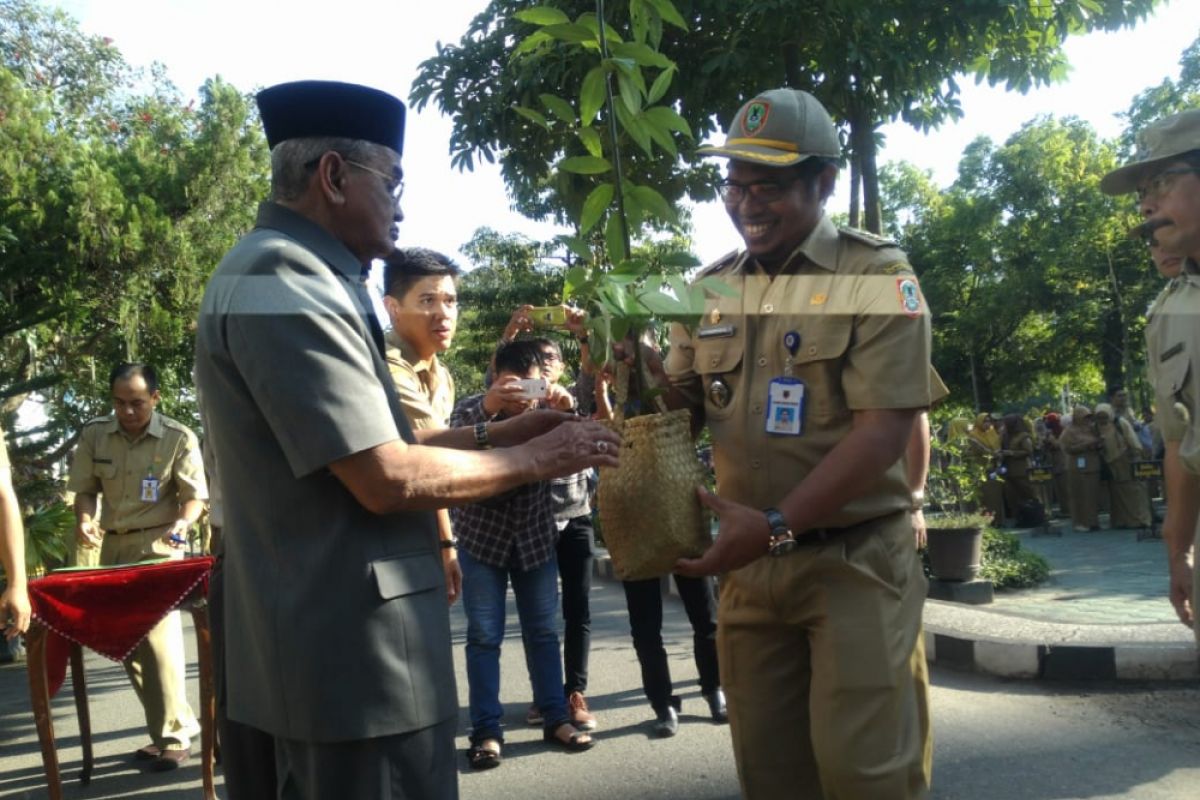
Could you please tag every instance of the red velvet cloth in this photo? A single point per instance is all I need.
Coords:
(110, 610)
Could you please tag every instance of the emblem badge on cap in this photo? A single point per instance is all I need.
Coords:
(755, 117)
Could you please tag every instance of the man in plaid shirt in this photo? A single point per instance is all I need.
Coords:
(511, 537)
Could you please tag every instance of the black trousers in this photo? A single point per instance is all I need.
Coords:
(645, 603)
(575, 555)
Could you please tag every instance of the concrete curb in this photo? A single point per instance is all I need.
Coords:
(1011, 646)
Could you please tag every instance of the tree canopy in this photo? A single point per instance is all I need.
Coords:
(117, 200)
(869, 63)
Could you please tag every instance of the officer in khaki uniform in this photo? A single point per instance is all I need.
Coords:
(421, 300)
(810, 375)
(148, 472)
(1166, 177)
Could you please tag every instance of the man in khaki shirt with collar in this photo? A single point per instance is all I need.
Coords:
(1166, 177)
(810, 376)
(421, 299)
(148, 473)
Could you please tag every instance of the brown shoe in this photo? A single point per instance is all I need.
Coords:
(169, 759)
(581, 718)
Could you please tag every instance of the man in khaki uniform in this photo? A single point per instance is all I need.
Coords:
(421, 299)
(1166, 177)
(810, 378)
(148, 470)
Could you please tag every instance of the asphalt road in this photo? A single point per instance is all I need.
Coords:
(995, 739)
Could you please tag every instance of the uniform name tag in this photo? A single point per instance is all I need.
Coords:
(716, 331)
(149, 490)
(785, 406)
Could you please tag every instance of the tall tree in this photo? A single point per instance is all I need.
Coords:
(117, 199)
(869, 63)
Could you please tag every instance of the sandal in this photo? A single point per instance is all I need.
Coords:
(576, 742)
(481, 756)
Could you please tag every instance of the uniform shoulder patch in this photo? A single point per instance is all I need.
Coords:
(97, 421)
(869, 239)
(718, 265)
(175, 425)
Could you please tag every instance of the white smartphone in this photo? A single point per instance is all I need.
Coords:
(534, 388)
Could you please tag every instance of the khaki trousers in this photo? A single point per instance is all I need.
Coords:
(156, 668)
(822, 662)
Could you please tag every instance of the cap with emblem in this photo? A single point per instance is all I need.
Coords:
(1158, 144)
(779, 128)
(304, 109)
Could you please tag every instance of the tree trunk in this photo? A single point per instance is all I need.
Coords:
(855, 182)
(862, 138)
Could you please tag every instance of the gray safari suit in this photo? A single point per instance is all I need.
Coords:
(292, 379)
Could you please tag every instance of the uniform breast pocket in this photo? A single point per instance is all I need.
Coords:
(104, 471)
(819, 361)
(719, 364)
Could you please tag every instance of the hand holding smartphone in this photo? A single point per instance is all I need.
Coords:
(533, 388)
(548, 316)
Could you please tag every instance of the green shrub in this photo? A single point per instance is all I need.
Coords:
(1007, 566)
(1004, 563)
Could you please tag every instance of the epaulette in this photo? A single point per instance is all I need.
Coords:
(869, 239)
(174, 425)
(97, 421)
(718, 265)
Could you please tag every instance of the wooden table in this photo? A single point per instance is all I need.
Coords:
(36, 641)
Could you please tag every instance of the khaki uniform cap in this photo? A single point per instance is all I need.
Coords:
(1158, 144)
(779, 128)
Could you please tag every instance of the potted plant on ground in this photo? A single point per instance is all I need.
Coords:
(955, 544)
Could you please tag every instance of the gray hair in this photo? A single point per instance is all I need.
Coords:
(292, 161)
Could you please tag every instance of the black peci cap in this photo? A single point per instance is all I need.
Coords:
(304, 109)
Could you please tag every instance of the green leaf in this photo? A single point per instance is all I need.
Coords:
(680, 258)
(594, 206)
(661, 304)
(668, 118)
(641, 54)
(574, 280)
(633, 126)
(558, 107)
(577, 246)
(576, 34)
(531, 43)
(717, 286)
(591, 95)
(532, 116)
(542, 15)
(631, 267)
(659, 134)
(660, 85)
(668, 12)
(585, 165)
(654, 202)
(591, 140)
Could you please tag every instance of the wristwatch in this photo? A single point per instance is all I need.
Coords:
(481, 436)
(448, 544)
(783, 541)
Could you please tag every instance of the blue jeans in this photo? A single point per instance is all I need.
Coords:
(484, 589)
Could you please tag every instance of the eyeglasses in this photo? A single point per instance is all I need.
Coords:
(393, 185)
(733, 192)
(1161, 183)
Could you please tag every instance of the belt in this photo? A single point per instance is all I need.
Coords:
(819, 536)
(137, 530)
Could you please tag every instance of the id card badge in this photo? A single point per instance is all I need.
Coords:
(1080, 462)
(149, 490)
(785, 406)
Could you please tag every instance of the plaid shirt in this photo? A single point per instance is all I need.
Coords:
(512, 530)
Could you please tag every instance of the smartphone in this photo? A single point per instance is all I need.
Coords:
(534, 388)
(548, 316)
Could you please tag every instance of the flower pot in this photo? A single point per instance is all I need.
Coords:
(955, 553)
